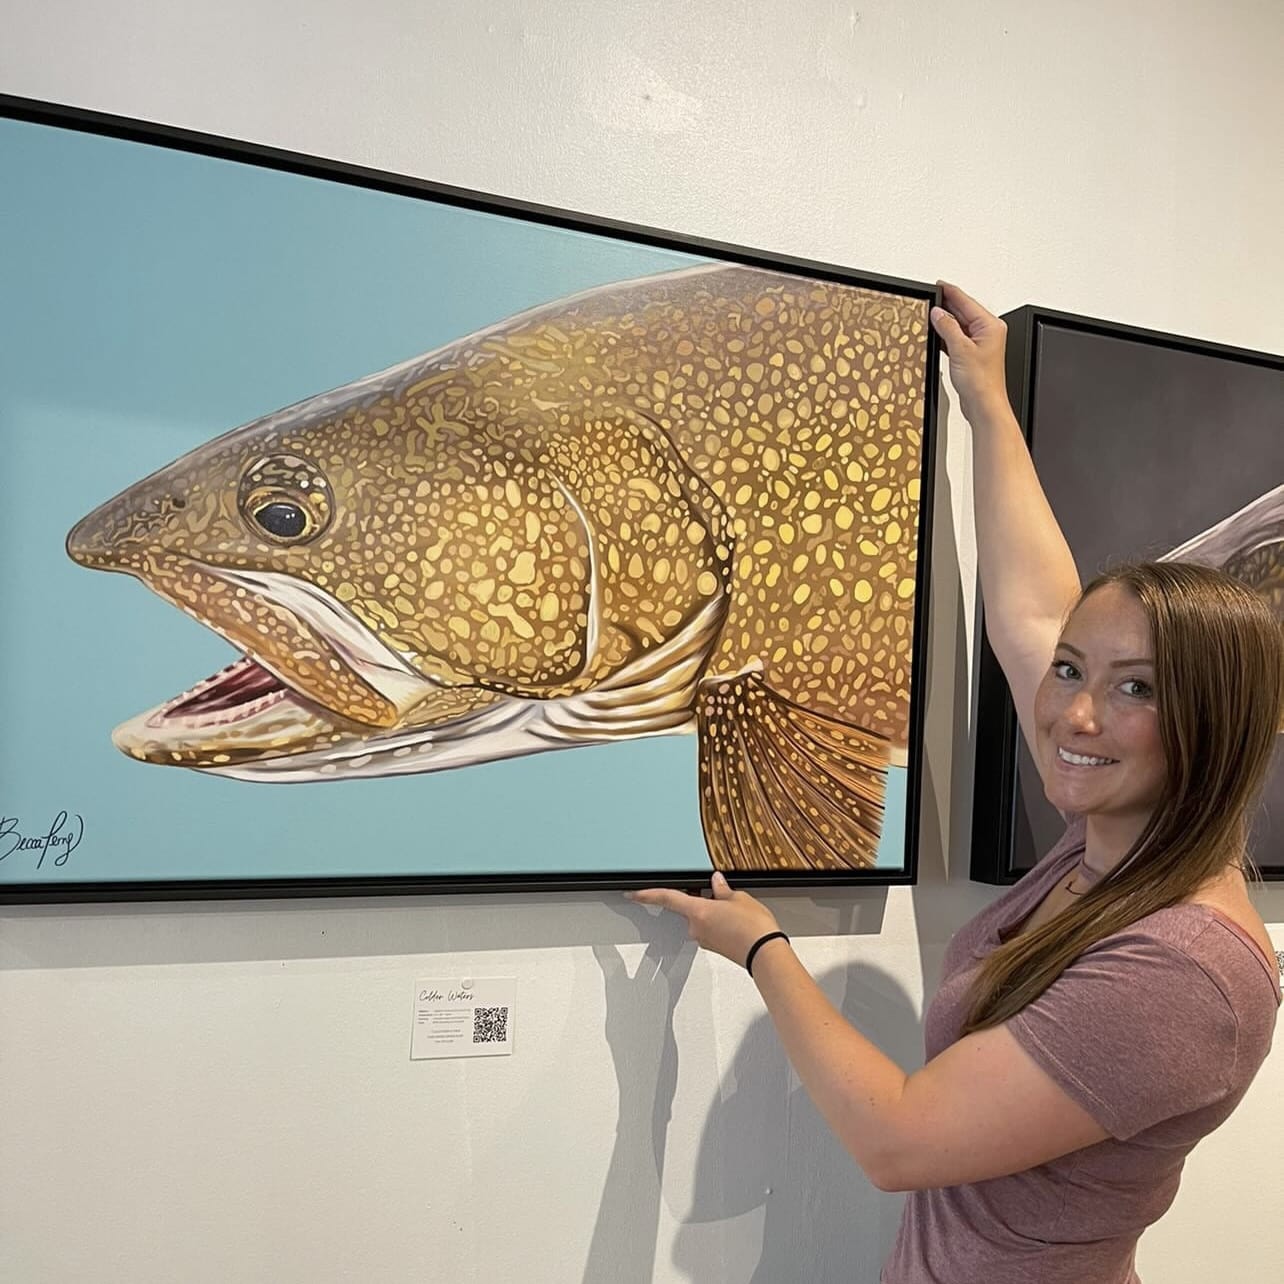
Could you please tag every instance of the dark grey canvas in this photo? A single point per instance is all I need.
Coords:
(1140, 447)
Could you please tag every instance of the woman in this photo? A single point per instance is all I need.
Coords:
(1111, 1009)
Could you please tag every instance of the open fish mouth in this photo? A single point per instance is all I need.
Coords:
(241, 712)
(279, 701)
(247, 722)
(251, 722)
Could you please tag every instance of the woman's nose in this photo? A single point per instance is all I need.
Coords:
(1081, 712)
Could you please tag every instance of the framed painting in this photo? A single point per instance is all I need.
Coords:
(1148, 445)
(460, 544)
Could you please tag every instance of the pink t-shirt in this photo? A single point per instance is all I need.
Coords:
(1156, 1032)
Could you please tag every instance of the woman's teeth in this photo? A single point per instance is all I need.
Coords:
(1082, 760)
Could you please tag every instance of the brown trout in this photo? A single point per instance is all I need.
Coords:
(686, 503)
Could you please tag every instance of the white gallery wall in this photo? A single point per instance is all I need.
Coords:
(222, 1092)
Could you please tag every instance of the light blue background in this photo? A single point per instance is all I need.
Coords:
(149, 301)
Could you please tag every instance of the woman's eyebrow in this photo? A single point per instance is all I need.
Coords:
(1114, 664)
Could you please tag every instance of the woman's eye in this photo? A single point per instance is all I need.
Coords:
(1064, 669)
(1138, 689)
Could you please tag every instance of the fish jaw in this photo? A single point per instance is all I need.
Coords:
(654, 695)
(296, 687)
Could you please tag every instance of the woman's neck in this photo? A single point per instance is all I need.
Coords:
(1107, 840)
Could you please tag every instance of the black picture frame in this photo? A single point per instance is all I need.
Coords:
(151, 134)
(1012, 824)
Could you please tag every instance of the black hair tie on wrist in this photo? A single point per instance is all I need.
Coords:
(757, 945)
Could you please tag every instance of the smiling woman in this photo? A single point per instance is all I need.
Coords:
(1095, 716)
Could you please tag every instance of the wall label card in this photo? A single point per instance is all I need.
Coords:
(463, 1018)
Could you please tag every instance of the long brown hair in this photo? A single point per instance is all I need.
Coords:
(1219, 679)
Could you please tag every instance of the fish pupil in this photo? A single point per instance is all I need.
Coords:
(281, 519)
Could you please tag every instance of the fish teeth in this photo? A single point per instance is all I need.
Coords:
(1082, 759)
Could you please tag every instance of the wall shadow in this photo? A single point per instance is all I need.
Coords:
(766, 1146)
(644, 1051)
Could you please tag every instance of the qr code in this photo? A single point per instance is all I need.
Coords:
(490, 1025)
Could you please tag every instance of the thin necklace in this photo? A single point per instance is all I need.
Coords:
(1074, 873)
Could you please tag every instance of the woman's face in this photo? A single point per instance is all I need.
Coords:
(1095, 715)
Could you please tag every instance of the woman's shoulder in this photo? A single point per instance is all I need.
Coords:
(1193, 947)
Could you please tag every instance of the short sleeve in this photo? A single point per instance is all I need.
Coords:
(1135, 1031)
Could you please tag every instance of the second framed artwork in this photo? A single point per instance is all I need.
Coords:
(1148, 445)
(460, 544)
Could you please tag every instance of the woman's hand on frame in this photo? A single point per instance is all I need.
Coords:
(728, 922)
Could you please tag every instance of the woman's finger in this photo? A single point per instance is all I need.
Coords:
(666, 898)
(962, 304)
(721, 888)
(949, 329)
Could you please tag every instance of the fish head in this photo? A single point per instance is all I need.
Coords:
(379, 565)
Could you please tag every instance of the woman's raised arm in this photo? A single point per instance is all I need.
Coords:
(1028, 577)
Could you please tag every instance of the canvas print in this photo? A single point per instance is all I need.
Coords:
(1148, 446)
(635, 493)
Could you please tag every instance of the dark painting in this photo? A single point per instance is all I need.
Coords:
(1148, 446)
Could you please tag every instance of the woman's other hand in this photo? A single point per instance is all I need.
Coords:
(728, 924)
(975, 341)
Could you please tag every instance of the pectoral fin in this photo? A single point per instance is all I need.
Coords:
(783, 787)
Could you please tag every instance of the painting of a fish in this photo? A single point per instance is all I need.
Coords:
(455, 544)
(687, 503)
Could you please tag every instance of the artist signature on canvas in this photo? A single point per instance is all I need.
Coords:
(61, 838)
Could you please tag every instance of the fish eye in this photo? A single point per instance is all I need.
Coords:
(286, 498)
(282, 519)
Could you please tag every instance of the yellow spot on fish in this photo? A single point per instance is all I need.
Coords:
(523, 571)
(863, 591)
(707, 583)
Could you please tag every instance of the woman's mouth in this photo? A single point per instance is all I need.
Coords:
(1083, 759)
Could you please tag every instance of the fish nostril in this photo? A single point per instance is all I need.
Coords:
(178, 502)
